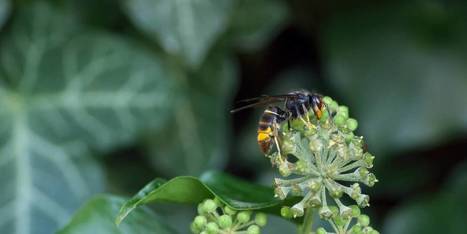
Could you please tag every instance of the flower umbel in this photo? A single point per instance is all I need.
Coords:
(216, 218)
(356, 223)
(322, 160)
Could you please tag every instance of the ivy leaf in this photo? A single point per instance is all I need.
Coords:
(4, 11)
(187, 28)
(255, 22)
(61, 97)
(196, 139)
(398, 72)
(97, 216)
(235, 193)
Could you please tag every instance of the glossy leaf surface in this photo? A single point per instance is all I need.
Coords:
(236, 193)
(96, 216)
(65, 94)
(187, 28)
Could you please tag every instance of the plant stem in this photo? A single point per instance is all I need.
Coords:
(305, 227)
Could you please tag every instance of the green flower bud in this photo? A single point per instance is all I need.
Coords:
(253, 229)
(314, 185)
(363, 200)
(194, 229)
(344, 111)
(284, 169)
(296, 190)
(368, 159)
(297, 210)
(310, 131)
(229, 211)
(362, 172)
(286, 212)
(335, 192)
(345, 212)
(355, 191)
(352, 124)
(212, 228)
(316, 145)
(325, 212)
(339, 120)
(339, 221)
(200, 209)
(333, 106)
(200, 221)
(368, 230)
(356, 229)
(321, 231)
(301, 167)
(327, 100)
(209, 205)
(334, 210)
(225, 221)
(370, 180)
(324, 117)
(314, 201)
(355, 211)
(281, 192)
(364, 220)
(243, 216)
(261, 219)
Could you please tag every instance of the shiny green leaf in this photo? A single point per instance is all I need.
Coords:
(187, 28)
(97, 216)
(63, 93)
(235, 193)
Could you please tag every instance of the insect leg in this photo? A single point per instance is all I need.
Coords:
(276, 141)
(307, 117)
(307, 123)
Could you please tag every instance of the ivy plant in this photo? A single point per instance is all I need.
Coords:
(330, 161)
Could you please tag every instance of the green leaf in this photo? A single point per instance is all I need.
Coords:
(63, 95)
(254, 22)
(235, 193)
(196, 139)
(97, 216)
(187, 28)
(403, 75)
(4, 11)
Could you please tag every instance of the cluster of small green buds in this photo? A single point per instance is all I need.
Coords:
(216, 218)
(321, 160)
(343, 224)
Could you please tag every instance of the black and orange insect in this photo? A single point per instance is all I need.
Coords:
(296, 105)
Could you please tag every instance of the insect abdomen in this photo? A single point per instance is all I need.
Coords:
(265, 131)
(264, 138)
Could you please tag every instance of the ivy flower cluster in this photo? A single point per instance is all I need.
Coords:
(356, 223)
(216, 218)
(322, 160)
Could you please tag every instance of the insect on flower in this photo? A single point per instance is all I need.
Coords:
(297, 104)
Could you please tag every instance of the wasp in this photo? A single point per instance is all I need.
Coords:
(297, 104)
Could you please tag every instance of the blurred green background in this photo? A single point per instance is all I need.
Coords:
(103, 96)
